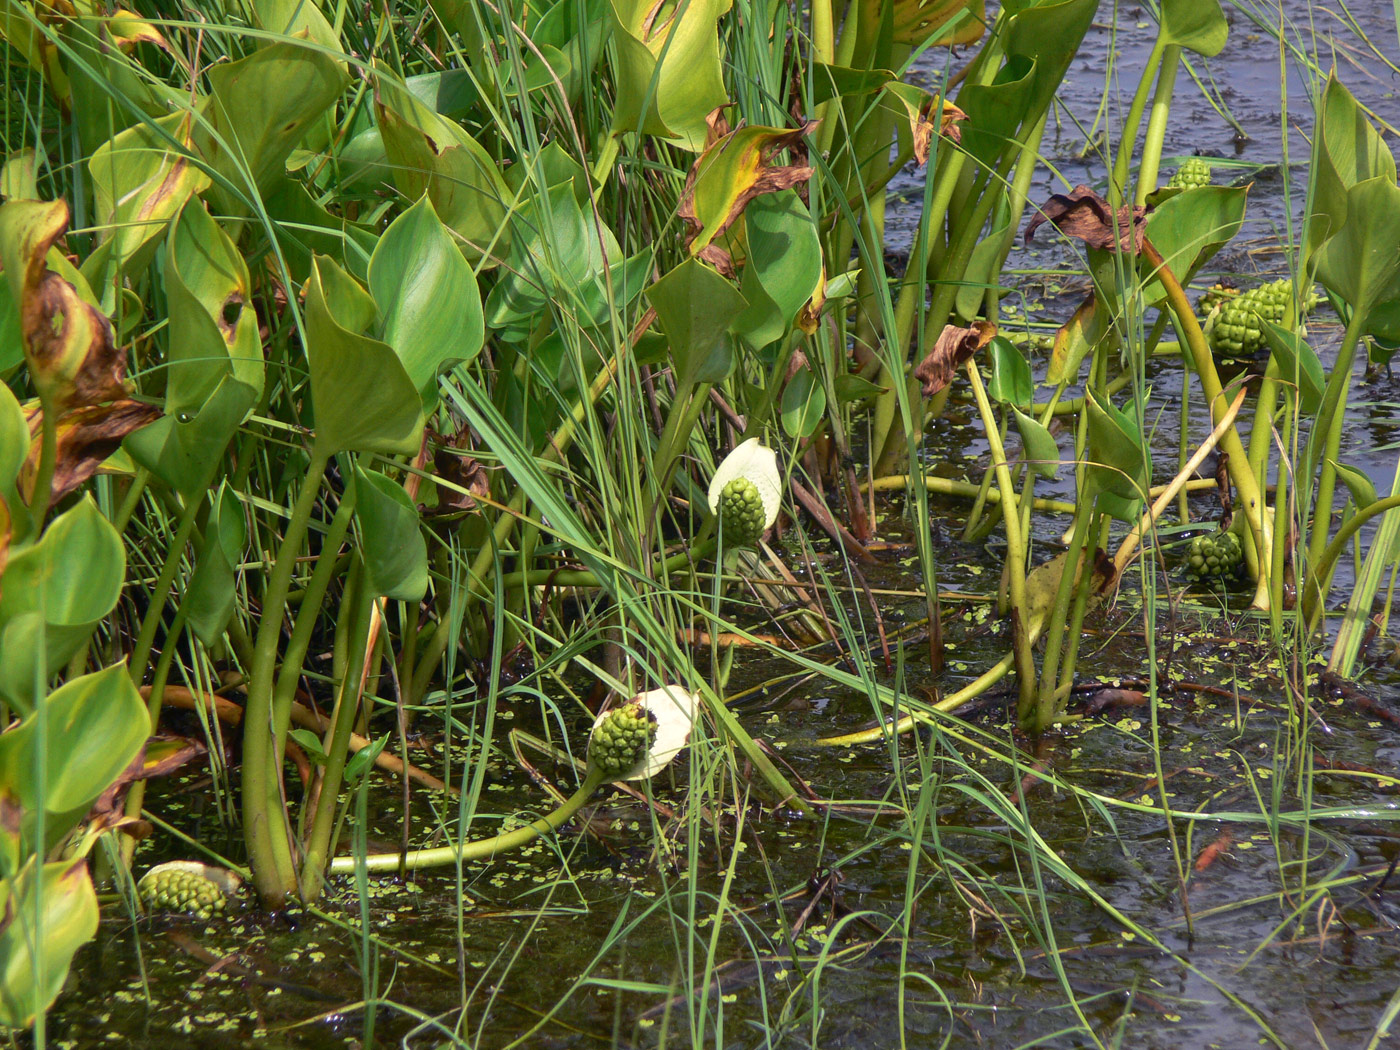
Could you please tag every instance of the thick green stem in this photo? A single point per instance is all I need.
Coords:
(265, 828)
(318, 843)
(1015, 551)
(1194, 341)
(480, 849)
(1127, 139)
(1325, 440)
(308, 616)
(1157, 124)
(1059, 616)
(1322, 568)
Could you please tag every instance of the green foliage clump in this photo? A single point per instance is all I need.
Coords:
(621, 740)
(173, 889)
(1192, 174)
(1237, 329)
(742, 513)
(1217, 554)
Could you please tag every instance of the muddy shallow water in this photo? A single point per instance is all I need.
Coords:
(1002, 950)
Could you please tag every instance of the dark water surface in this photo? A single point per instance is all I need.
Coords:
(998, 943)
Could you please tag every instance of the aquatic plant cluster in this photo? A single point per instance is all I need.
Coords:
(411, 408)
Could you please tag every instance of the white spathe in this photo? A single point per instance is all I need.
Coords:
(757, 463)
(674, 711)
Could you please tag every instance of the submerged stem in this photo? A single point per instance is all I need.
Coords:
(478, 849)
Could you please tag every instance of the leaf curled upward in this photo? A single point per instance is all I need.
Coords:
(954, 347)
(69, 349)
(733, 169)
(1084, 215)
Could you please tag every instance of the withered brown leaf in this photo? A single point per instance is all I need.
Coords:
(954, 347)
(924, 127)
(86, 436)
(1085, 215)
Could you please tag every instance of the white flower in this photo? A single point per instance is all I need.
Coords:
(670, 709)
(756, 463)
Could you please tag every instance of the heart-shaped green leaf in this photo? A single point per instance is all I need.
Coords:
(71, 578)
(1196, 25)
(696, 307)
(668, 70)
(96, 725)
(1042, 453)
(66, 908)
(427, 297)
(396, 557)
(362, 396)
(209, 598)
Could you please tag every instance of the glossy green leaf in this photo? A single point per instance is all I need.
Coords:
(1347, 150)
(213, 327)
(1297, 361)
(829, 82)
(395, 554)
(362, 396)
(850, 388)
(1196, 25)
(259, 108)
(983, 271)
(427, 298)
(995, 111)
(184, 451)
(1117, 465)
(209, 598)
(1189, 228)
(1362, 489)
(71, 577)
(432, 155)
(14, 441)
(141, 181)
(1360, 262)
(296, 18)
(803, 406)
(304, 228)
(559, 259)
(1012, 382)
(1048, 34)
(668, 70)
(695, 307)
(64, 915)
(1042, 453)
(784, 267)
(96, 725)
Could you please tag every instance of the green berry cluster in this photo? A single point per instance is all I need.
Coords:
(1216, 554)
(741, 512)
(1193, 174)
(1221, 291)
(1238, 328)
(186, 891)
(621, 740)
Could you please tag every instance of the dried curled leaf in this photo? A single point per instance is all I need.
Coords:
(68, 343)
(920, 105)
(86, 436)
(1086, 216)
(954, 347)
